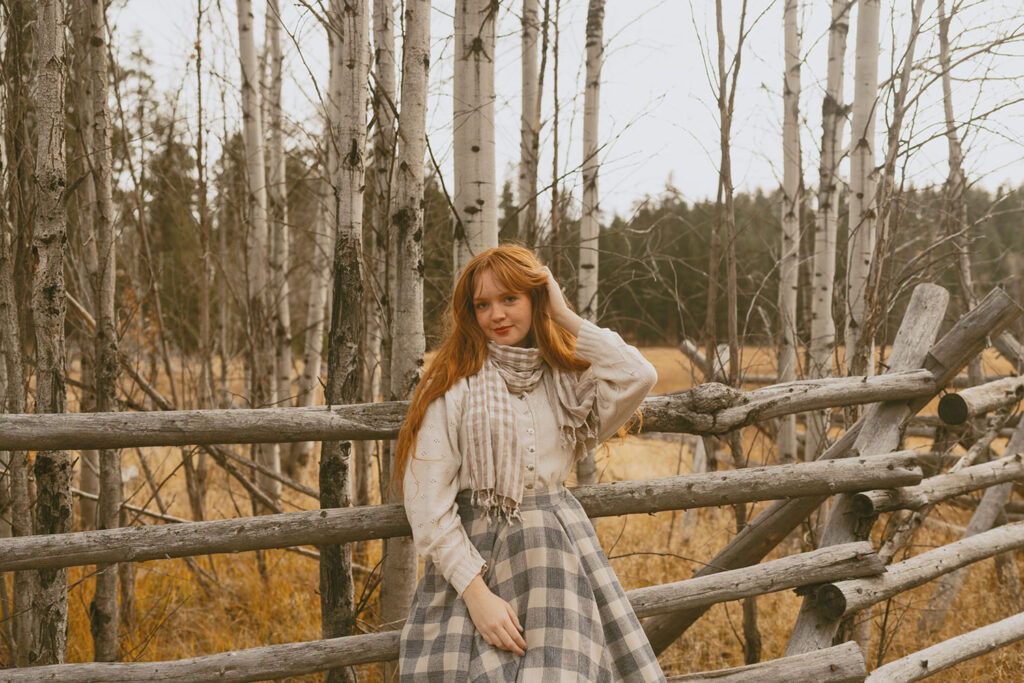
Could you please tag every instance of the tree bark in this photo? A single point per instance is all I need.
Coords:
(13, 401)
(529, 136)
(863, 188)
(277, 212)
(476, 204)
(348, 29)
(407, 305)
(316, 314)
(259, 318)
(590, 228)
(52, 468)
(103, 612)
(792, 204)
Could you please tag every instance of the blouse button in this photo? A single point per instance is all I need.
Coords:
(529, 486)
(531, 449)
(530, 467)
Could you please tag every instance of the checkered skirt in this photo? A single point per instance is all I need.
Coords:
(577, 621)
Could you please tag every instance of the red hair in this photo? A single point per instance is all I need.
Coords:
(465, 346)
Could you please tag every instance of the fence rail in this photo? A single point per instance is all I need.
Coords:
(842, 578)
(347, 525)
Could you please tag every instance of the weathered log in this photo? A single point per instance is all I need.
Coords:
(278, 661)
(715, 408)
(846, 597)
(942, 656)
(804, 569)
(920, 325)
(956, 409)
(346, 525)
(1010, 348)
(254, 664)
(838, 664)
(940, 487)
(991, 508)
(705, 409)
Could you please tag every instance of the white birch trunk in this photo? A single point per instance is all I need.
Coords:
(407, 332)
(104, 609)
(261, 365)
(586, 470)
(792, 200)
(52, 468)
(823, 328)
(529, 136)
(316, 316)
(587, 301)
(348, 32)
(475, 196)
(863, 186)
(277, 211)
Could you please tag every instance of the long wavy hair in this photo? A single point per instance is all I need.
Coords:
(465, 346)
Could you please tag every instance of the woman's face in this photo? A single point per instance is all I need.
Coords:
(504, 316)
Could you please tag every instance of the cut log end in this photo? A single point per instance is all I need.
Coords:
(953, 409)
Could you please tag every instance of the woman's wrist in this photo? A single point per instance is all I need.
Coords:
(569, 320)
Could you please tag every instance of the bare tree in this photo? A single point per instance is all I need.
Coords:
(52, 468)
(400, 567)
(103, 612)
(590, 229)
(277, 211)
(833, 117)
(348, 33)
(792, 203)
(261, 360)
(863, 187)
(529, 137)
(475, 196)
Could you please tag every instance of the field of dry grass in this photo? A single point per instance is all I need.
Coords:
(174, 616)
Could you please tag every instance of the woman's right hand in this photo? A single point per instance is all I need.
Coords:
(493, 617)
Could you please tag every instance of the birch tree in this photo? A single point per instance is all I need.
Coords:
(17, 183)
(52, 468)
(475, 194)
(277, 210)
(103, 611)
(399, 573)
(529, 136)
(348, 33)
(589, 225)
(792, 201)
(261, 365)
(955, 187)
(17, 479)
(833, 117)
(863, 186)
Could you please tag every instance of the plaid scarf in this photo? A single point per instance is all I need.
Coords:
(493, 456)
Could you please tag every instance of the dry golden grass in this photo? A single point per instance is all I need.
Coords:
(174, 617)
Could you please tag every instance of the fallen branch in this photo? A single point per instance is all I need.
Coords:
(838, 664)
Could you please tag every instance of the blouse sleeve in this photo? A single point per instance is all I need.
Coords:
(624, 377)
(430, 485)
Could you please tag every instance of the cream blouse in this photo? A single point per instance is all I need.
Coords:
(435, 474)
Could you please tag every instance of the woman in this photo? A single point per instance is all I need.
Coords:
(516, 586)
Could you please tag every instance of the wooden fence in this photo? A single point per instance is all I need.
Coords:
(864, 470)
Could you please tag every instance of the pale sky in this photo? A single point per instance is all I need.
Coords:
(658, 113)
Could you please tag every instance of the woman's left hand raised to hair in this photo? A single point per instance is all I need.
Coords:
(558, 310)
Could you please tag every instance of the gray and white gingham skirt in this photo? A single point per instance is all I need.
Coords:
(578, 623)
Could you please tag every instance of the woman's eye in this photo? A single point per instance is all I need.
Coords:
(511, 299)
(481, 305)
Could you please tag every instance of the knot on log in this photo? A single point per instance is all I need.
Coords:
(712, 397)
